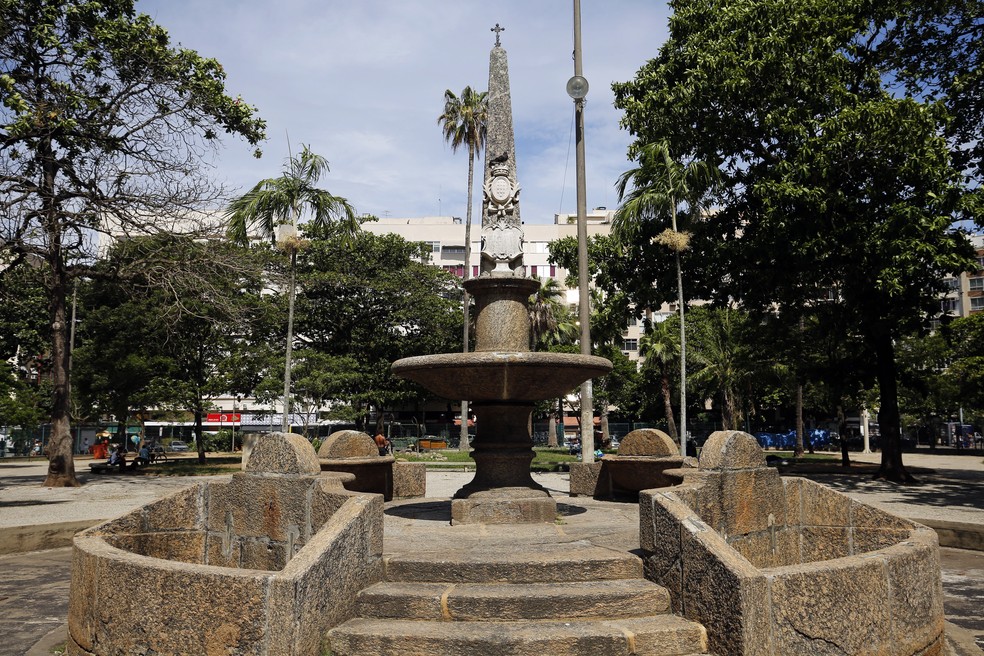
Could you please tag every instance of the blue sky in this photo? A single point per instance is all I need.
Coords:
(362, 82)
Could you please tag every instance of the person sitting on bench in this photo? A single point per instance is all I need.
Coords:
(117, 459)
(143, 457)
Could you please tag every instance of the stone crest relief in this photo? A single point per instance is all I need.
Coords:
(502, 238)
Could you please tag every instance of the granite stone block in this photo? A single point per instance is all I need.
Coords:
(348, 444)
(793, 492)
(409, 480)
(725, 593)
(916, 595)
(180, 511)
(823, 506)
(648, 442)
(824, 543)
(584, 478)
(283, 453)
(809, 608)
(725, 450)
(752, 500)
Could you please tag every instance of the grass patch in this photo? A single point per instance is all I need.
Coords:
(544, 459)
(191, 467)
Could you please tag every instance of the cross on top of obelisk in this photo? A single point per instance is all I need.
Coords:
(497, 29)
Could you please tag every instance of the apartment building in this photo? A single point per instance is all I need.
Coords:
(965, 294)
(446, 237)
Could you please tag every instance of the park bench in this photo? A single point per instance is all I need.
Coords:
(106, 468)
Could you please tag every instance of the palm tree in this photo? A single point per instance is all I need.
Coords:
(660, 185)
(281, 201)
(729, 360)
(660, 347)
(464, 124)
(545, 309)
(550, 325)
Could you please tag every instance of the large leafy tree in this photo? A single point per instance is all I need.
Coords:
(103, 128)
(362, 304)
(464, 123)
(830, 182)
(140, 348)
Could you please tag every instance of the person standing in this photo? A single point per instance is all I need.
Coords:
(382, 443)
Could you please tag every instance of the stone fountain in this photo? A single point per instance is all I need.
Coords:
(502, 378)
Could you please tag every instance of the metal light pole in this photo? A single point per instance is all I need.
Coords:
(577, 88)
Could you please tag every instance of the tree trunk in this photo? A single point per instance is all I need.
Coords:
(199, 435)
(842, 429)
(798, 451)
(61, 461)
(668, 407)
(889, 420)
(552, 430)
(606, 437)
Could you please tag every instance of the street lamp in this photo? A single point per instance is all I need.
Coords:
(287, 239)
(577, 89)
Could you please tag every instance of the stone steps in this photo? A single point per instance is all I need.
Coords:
(513, 601)
(662, 635)
(572, 598)
(543, 563)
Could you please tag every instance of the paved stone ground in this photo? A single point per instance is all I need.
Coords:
(34, 585)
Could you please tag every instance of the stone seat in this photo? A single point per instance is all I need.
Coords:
(354, 452)
(644, 457)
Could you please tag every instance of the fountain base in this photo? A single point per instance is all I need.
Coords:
(503, 491)
(504, 506)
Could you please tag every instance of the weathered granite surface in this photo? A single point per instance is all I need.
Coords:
(769, 564)
(263, 564)
(355, 453)
(644, 456)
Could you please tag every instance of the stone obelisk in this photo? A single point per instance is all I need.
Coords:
(502, 229)
(502, 377)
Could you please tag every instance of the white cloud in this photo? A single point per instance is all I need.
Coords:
(363, 82)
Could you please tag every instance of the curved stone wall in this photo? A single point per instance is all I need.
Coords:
(265, 563)
(777, 566)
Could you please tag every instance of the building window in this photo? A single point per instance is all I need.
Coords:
(435, 246)
(454, 250)
(952, 284)
(474, 271)
(456, 269)
(977, 284)
(630, 345)
(977, 304)
(533, 271)
(950, 305)
(980, 262)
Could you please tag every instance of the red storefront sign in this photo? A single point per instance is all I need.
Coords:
(223, 418)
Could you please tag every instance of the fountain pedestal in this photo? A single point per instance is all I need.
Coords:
(503, 380)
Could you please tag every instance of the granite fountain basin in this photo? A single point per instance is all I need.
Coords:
(501, 376)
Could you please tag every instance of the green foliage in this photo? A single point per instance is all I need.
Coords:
(25, 393)
(284, 200)
(103, 126)
(362, 304)
(829, 181)
(143, 347)
(464, 120)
